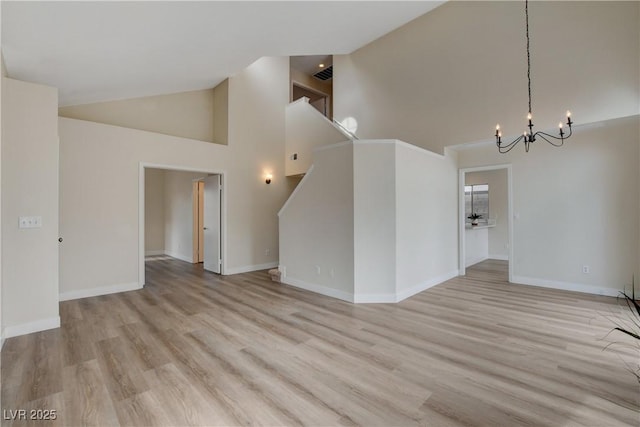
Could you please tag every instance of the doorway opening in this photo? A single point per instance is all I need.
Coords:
(312, 77)
(181, 215)
(485, 217)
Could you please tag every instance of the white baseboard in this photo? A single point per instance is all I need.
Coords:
(102, 290)
(319, 289)
(30, 327)
(499, 257)
(249, 268)
(154, 253)
(426, 285)
(566, 286)
(374, 298)
(181, 257)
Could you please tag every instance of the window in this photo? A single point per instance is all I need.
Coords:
(476, 200)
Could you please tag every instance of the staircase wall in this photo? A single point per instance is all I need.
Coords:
(372, 221)
(306, 129)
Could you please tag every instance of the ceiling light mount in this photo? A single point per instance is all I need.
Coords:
(529, 135)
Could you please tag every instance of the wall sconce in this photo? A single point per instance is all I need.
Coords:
(268, 178)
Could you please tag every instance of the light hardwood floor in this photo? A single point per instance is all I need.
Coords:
(193, 348)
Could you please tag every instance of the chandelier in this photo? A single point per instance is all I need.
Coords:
(529, 135)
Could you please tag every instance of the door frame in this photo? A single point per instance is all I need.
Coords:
(198, 214)
(141, 207)
(461, 214)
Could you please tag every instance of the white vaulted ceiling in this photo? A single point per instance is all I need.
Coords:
(99, 51)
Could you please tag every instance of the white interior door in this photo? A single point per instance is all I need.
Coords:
(212, 224)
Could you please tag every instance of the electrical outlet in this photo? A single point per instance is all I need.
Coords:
(318, 270)
(30, 222)
(332, 273)
(267, 252)
(586, 269)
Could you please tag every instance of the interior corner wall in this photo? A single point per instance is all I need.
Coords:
(450, 75)
(426, 219)
(99, 174)
(258, 96)
(374, 223)
(498, 209)
(178, 213)
(221, 113)
(573, 206)
(154, 209)
(29, 188)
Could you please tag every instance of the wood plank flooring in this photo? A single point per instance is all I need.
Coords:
(193, 348)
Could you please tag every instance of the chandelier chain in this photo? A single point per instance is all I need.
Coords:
(526, 12)
(529, 136)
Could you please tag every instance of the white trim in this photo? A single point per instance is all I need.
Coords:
(101, 290)
(181, 257)
(223, 211)
(566, 286)
(154, 253)
(250, 268)
(499, 257)
(374, 298)
(30, 327)
(319, 289)
(295, 190)
(425, 285)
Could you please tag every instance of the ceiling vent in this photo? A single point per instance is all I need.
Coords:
(326, 74)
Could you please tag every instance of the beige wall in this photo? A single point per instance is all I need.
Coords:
(99, 183)
(498, 243)
(573, 206)
(426, 219)
(449, 76)
(192, 115)
(306, 129)
(221, 113)
(4, 74)
(317, 227)
(178, 213)
(29, 188)
(154, 183)
(2, 66)
(257, 100)
(374, 223)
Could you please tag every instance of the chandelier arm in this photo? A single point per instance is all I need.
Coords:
(543, 135)
(503, 149)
